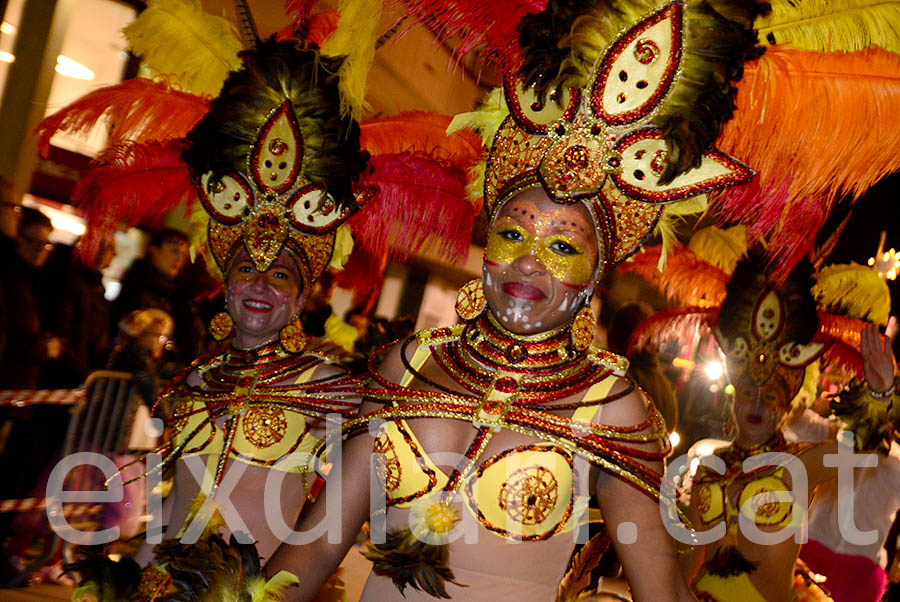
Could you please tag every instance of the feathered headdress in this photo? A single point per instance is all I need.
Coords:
(789, 325)
(811, 116)
(287, 102)
(631, 132)
(274, 160)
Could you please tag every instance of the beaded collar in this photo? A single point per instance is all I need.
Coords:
(267, 365)
(545, 367)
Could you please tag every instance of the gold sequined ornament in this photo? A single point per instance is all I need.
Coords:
(582, 332)
(292, 337)
(470, 301)
(221, 325)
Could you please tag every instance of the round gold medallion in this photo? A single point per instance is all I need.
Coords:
(470, 301)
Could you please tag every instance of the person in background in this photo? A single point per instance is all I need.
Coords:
(150, 282)
(74, 307)
(10, 214)
(28, 344)
(143, 335)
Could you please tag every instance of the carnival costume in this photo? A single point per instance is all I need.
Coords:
(277, 165)
(769, 333)
(590, 112)
(595, 143)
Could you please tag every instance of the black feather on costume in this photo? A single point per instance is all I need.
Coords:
(539, 36)
(720, 37)
(114, 580)
(272, 73)
(748, 282)
(729, 562)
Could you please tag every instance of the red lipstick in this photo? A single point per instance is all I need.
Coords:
(520, 290)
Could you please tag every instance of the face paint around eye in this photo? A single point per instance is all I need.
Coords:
(508, 242)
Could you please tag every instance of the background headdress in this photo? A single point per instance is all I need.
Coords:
(416, 173)
(274, 160)
(717, 290)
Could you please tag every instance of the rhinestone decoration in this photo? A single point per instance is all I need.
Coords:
(264, 426)
(646, 51)
(530, 495)
(470, 301)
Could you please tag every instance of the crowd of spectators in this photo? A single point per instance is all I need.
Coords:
(56, 324)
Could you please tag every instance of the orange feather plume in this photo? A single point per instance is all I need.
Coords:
(137, 109)
(816, 127)
(687, 279)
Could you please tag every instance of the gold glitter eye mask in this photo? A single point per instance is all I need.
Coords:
(569, 268)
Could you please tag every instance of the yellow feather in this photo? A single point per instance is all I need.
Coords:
(175, 38)
(212, 510)
(832, 25)
(343, 246)
(271, 590)
(340, 333)
(486, 119)
(355, 38)
(668, 222)
(855, 289)
(722, 248)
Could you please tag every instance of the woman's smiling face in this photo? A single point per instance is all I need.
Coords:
(261, 303)
(540, 262)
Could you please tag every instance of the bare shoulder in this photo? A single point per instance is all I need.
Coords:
(629, 407)
(394, 361)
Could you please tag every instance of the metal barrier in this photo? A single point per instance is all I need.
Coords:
(101, 420)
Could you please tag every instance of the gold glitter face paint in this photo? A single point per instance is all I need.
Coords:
(563, 240)
(563, 256)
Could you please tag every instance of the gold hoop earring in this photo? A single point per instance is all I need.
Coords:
(470, 301)
(221, 325)
(292, 337)
(582, 332)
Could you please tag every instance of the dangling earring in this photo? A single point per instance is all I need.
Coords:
(582, 332)
(728, 427)
(470, 301)
(292, 337)
(221, 325)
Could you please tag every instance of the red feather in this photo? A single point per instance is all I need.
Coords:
(132, 183)
(137, 109)
(671, 325)
(477, 23)
(421, 202)
(420, 132)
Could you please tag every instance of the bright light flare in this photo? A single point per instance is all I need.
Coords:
(674, 438)
(6, 57)
(714, 370)
(72, 68)
(7, 28)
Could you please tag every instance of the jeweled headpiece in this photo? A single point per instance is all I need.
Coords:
(603, 143)
(768, 332)
(273, 161)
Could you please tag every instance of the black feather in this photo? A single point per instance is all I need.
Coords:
(272, 73)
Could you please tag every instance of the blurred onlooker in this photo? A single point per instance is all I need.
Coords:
(74, 308)
(143, 335)
(10, 213)
(28, 344)
(150, 283)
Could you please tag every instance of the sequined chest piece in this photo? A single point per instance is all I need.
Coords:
(527, 492)
(236, 415)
